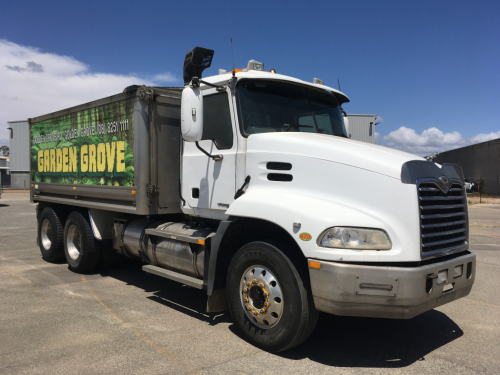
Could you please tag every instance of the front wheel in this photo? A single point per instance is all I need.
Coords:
(268, 298)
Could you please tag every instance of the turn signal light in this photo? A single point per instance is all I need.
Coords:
(313, 264)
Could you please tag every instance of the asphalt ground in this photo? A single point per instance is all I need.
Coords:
(121, 320)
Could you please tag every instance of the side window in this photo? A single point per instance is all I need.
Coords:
(217, 120)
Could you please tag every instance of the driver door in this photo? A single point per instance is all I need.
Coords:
(208, 186)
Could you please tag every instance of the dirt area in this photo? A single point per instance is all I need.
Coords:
(15, 195)
(485, 199)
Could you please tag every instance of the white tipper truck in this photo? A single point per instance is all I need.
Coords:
(244, 185)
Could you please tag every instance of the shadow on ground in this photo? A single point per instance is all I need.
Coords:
(189, 301)
(367, 342)
(337, 341)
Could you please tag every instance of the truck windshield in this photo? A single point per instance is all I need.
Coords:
(270, 106)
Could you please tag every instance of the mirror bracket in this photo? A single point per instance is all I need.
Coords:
(195, 83)
(214, 157)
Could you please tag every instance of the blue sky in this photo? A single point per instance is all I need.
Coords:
(420, 65)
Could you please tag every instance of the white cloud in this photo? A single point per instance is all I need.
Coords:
(166, 77)
(33, 83)
(432, 140)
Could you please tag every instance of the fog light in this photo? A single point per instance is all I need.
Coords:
(442, 276)
(458, 271)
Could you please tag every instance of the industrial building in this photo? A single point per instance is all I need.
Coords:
(19, 148)
(362, 127)
(481, 160)
(4, 171)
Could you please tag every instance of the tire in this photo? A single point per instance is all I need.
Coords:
(289, 316)
(50, 235)
(80, 248)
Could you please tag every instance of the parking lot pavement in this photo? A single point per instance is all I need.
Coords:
(124, 321)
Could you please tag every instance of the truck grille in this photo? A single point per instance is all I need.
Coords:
(443, 219)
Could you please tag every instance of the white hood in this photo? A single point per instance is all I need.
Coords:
(375, 158)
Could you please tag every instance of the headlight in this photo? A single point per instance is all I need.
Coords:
(355, 238)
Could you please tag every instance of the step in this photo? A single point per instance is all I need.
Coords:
(176, 276)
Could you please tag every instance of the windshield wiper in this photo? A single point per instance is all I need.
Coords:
(296, 126)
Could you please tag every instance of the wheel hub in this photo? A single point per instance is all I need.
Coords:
(74, 242)
(261, 297)
(46, 234)
(257, 297)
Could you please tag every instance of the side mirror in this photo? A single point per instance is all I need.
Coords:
(346, 123)
(192, 114)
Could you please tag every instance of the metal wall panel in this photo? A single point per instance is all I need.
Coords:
(19, 146)
(362, 127)
(20, 180)
(481, 160)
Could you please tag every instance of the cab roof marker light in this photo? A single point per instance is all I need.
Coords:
(255, 65)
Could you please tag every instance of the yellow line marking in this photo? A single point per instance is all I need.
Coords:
(484, 226)
(157, 347)
(487, 264)
(487, 235)
(482, 303)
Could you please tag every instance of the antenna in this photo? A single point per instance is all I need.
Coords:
(338, 81)
(230, 35)
(232, 53)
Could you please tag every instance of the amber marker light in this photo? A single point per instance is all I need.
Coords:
(201, 242)
(313, 264)
(74, 187)
(134, 192)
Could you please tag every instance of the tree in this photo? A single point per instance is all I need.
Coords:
(480, 186)
(4, 150)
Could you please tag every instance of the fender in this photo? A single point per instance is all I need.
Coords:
(101, 222)
(313, 215)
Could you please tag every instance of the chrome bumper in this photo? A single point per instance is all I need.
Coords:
(388, 292)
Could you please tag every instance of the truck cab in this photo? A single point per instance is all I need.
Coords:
(369, 219)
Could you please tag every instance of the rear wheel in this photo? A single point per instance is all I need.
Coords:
(79, 244)
(50, 235)
(268, 299)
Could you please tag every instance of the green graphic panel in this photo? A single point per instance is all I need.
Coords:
(92, 147)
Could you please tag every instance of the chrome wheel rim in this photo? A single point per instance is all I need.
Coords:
(261, 297)
(74, 241)
(46, 234)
